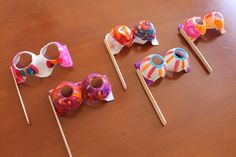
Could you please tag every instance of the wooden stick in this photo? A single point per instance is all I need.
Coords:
(151, 98)
(116, 65)
(20, 97)
(196, 50)
(60, 127)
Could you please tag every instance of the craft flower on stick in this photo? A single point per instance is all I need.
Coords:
(154, 66)
(40, 66)
(196, 26)
(145, 32)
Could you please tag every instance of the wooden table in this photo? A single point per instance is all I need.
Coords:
(200, 109)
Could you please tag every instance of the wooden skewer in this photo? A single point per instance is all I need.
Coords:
(196, 50)
(20, 97)
(60, 127)
(151, 98)
(116, 65)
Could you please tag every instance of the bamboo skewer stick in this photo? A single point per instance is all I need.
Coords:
(151, 98)
(196, 50)
(116, 65)
(60, 127)
(20, 97)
